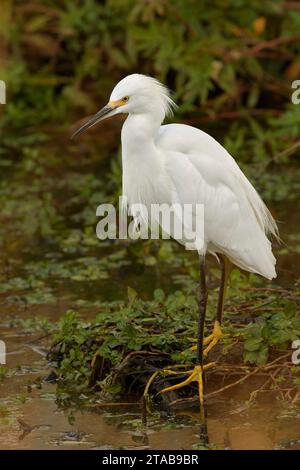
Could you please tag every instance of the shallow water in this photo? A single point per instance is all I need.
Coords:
(30, 417)
(39, 423)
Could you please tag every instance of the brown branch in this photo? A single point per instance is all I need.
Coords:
(242, 379)
(288, 151)
(296, 397)
(274, 43)
(239, 381)
(291, 5)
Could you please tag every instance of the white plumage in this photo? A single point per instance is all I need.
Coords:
(177, 163)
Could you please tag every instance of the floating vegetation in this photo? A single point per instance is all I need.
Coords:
(125, 344)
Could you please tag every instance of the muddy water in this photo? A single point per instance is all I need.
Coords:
(31, 419)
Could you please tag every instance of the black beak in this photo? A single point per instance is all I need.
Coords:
(102, 114)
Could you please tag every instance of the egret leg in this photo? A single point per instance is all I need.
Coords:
(197, 374)
(217, 334)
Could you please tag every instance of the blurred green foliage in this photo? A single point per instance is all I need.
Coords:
(230, 63)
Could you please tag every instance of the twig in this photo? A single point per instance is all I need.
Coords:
(96, 405)
(242, 379)
(291, 5)
(239, 381)
(274, 43)
(296, 397)
(287, 151)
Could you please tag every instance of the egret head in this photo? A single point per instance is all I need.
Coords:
(134, 94)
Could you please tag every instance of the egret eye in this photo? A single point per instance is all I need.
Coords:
(125, 99)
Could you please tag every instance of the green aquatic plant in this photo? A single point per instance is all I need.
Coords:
(126, 342)
(271, 329)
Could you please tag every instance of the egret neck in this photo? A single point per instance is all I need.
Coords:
(140, 157)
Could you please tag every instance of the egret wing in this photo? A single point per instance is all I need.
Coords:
(234, 222)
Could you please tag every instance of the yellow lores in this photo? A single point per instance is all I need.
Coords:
(117, 103)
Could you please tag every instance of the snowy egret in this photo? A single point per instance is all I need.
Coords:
(179, 163)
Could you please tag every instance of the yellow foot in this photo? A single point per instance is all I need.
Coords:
(211, 340)
(195, 375)
(214, 338)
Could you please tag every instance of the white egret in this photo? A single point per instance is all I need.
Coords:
(176, 163)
